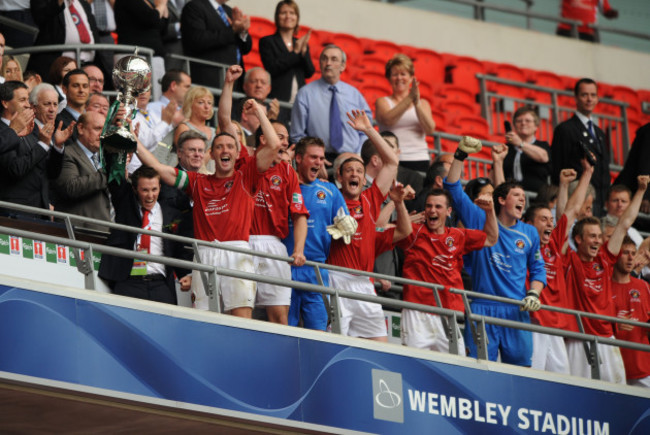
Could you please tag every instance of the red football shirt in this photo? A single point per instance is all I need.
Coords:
(633, 299)
(589, 286)
(368, 241)
(278, 193)
(555, 292)
(438, 259)
(223, 207)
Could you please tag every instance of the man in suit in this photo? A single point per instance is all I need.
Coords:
(136, 204)
(31, 161)
(81, 188)
(214, 32)
(580, 131)
(76, 87)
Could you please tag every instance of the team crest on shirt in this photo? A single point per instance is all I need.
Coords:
(321, 195)
(228, 185)
(276, 181)
(519, 246)
(548, 254)
(635, 295)
(449, 242)
(597, 267)
(357, 211)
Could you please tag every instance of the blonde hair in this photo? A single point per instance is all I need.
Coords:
(400, 60)
(194, 93)
(9, 58)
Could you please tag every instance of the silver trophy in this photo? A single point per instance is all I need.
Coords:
(131, 77)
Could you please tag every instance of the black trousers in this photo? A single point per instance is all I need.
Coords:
(152, 290)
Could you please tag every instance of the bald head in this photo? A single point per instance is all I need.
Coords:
(89, 127)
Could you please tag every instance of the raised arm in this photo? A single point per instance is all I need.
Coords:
(360, 122)
(267, 154)
(628, 218)
(466, 146)
(403, 224)
(224, 114)
(167, 173)
(499, 154)
(491, 227)
(577, 199)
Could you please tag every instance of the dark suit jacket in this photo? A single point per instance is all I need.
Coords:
(127, 212)
(81, 189)
(638, 160)
(566, 153)
(179, 201)
(206, 36)
(49, 18)
(139, 24)
(535, 173)
(283, 65)
(25, 171)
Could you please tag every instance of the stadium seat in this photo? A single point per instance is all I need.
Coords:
(314, 40)
(261, 27)
(623, 93)
(458, 93)
(463, 73)
(509, 72)
(440, 118)
(374, 65)
(375, 79)
(429, 66)
(458, 109)
(253, 59)
(351, 45)
(474, 126)
(383, 50)
(371, 93)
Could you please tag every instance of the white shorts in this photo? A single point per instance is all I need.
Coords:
(270, 294)
(641, 382)
(235, 292)
(359, 318)
(549, 353)
(611, 362)
(425, 331)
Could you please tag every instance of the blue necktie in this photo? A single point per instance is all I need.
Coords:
(224, 18)
(336, 129)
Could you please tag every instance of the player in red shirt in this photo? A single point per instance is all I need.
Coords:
(632, 302)
(434, 253)
(365, 319)
(278, 198)
(549, 351)
(223, 210)
(588, 280)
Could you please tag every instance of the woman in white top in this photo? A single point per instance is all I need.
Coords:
(406, 114)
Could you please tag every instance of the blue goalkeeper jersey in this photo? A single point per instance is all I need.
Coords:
(322, 200)
(500, 270)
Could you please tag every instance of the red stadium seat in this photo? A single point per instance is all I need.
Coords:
(458, 109)
(314, 40)
(261, 27)
(409, 50)
(464, 72)
(429, 66)
(474, 126)
(371, 94)
(440, 118)
(374, 65)
(351, 45)
(623, 93)
(383, 50)
(509, 72)
(252, 60)
(458, 93)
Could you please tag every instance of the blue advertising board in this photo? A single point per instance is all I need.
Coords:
(104, 341)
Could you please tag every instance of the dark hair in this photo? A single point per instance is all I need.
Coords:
(55, 75)
(295, 7)
(529, 216)
(367, 151)
(171, 76)
(585, 81)
(502, 191)
(546, 194)
(348, 160)
(616, 188)
(627, 240)
(74, 72)
(303, 143)
(437, 169)
(473, 187)
(579, 226)
(7, 91)
(441, 192)
(223, 133)
(29, 74)
(143, 172)
(259, 133)
(387, 133)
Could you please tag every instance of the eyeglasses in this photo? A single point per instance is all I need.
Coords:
(92, 79)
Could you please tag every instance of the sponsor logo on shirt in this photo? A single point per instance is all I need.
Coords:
(296, 198)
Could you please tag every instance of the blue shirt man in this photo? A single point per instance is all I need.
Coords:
(501, 270)
(311, 110)
(323, 200)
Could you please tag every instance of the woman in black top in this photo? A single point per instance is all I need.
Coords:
(284, 56)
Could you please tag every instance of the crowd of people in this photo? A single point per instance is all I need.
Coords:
(321, 183)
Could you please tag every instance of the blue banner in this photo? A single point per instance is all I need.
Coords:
(303, 379)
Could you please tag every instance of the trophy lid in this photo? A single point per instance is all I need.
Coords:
(132, 72)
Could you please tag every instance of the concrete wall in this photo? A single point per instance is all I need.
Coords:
(485, 41)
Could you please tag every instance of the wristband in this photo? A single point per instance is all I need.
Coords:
(460, 155)
(532, 293)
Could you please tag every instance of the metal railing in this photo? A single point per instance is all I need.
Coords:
(211, 273)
